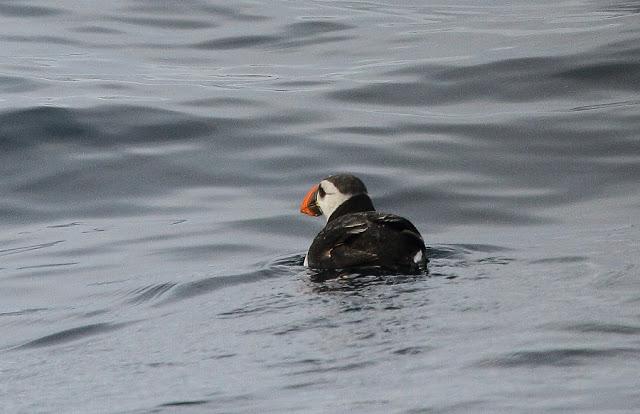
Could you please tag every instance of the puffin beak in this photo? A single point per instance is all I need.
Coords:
(308, 205)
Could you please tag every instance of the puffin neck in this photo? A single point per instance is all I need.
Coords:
(356, 204)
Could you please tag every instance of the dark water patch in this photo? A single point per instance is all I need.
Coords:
(558, 357)
(26, 126)
(114, 86)
(108, 126)
(93, 230)
(65, 225)
(304, 385)
(443, 252)
(224, 356)
(24, 10)
(570, 134)
(353, 366)
(148, 293)
(23, 249)
(166, 23)
(23, 312)
(510, 80)
(289, 362)
(605, 106)
(472, 406)
(222, 102)
(47, 265)
(482, 248)
(97, 30)
(232, 13)
(295, 117)
(299, 34)
(561, 260)
(73, 334)
(314, 27)
(94, 313)
(300, 84)
(55, 40)
(163, 364)
(499, 260)
(366, 130)
(185, 403)
(599, 327)
(623, 76)
(412, 350)
(219, 399)
(236, 42)
(178, 129)
(569, 159)
(100, 126)
(14, 84)
(294, 328)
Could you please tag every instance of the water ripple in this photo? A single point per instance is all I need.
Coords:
(73, 334)
(22, 10)
(558, 357)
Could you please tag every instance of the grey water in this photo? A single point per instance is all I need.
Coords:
(153, 155)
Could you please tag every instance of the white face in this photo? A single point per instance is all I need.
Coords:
(329, 198)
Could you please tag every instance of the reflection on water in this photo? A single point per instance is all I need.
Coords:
(153, 155)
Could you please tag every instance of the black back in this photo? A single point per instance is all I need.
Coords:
(367, 238)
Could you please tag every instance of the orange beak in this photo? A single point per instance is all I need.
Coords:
(308, 205)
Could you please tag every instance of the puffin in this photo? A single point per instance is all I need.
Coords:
(355, 234)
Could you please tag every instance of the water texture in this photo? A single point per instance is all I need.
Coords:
(153, 155)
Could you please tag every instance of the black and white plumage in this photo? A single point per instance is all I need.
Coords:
(356, 235)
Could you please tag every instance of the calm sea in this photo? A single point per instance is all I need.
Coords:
(153, 155)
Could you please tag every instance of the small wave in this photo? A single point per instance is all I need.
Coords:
(561, 260)
(600, 327)
(17, 250)
(23, 312)
(73, 334)
(236, 42)
(185, 403)
(285, 266)
(166, 23)
(557, 357)
(23, 10)
(47, 265)
(148, 293)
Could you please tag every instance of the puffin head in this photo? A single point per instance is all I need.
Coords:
(325, 197)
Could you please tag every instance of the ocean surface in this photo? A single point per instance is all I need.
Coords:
(153, 155)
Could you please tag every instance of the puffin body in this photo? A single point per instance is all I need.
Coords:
(356, 235)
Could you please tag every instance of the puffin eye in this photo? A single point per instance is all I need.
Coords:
(321, 191)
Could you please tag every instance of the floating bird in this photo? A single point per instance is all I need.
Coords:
(356, 235)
